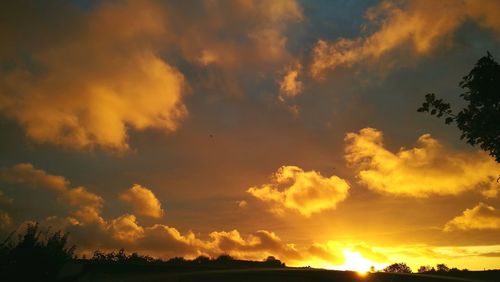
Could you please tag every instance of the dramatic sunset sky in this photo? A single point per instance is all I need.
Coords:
(251, 128)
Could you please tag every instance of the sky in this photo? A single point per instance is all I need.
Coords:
(248, 128)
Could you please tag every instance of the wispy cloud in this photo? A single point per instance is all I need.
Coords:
(422, 25)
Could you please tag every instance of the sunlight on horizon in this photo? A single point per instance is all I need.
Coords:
(353, 261)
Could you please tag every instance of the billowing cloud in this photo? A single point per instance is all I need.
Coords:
(428, 169)
(125, 228)
(96, 84)
(90, 230)
(307, 192)
(480, 217)
(259, 244)
(163, 241)
(26, 174)
(422, 25)
(98, 74)
(143, 201)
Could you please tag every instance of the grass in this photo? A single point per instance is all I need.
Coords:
(280, 274)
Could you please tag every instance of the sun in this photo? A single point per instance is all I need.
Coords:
(355, 261)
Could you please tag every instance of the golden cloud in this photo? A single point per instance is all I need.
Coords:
(143, 201)
(306, 192)
(164, 241)
(428, 169)
(480, 217)
(255, 246)
(421, 24)
(125, 228)
(89, 230)
(97, 83)
(97, 75)
(25, 173)
(290, 85)
(79, 197)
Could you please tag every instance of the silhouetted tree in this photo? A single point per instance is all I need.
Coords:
(272, 261)
(224, 258)
(121, 256)
(425, 268)
(37, 254)
(442, 267)
(201, 260)
(479, 122)
(398, 267)
(137, 258)
(111, 256)
(98, 256)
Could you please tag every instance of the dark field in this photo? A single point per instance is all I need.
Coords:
(274, 274)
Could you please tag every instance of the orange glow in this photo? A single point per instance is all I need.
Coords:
(362, 273)
(356, 262)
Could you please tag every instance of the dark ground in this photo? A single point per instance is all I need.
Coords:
(189, 274)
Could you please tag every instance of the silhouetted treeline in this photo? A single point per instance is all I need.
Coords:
(120, 257)
(41, 255)
(439, 268)
(402, 267)
(222, 261)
